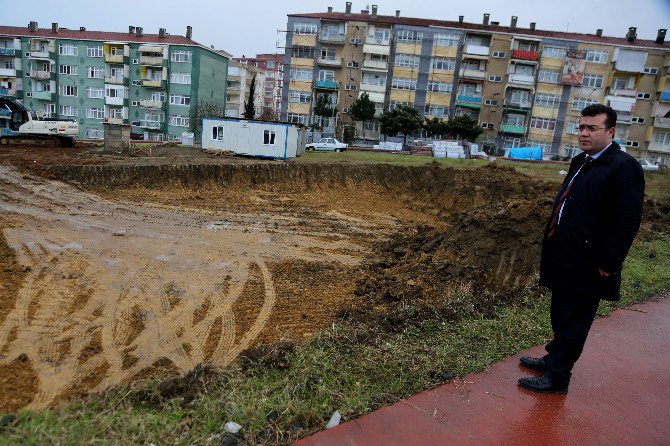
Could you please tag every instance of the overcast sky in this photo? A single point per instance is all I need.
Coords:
(250, 27)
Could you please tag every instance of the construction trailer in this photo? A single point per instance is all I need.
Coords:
(280, 140)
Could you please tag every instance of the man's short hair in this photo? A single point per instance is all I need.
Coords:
(599, 109)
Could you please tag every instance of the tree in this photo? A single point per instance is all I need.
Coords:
(201, 110)
(404, 119)
(324, 106)
(268, 114)
(464, 127)
(249, 107)
(363, 109)
(436, 127)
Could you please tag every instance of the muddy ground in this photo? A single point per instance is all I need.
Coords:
(115, 269)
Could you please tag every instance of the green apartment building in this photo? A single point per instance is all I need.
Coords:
(149, 81)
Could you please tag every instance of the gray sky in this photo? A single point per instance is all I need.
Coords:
(250, 27)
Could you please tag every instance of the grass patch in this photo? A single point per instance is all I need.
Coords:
(349, 368)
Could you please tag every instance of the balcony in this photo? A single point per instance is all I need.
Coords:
(625, 92)
(375, 65)
(114, 58)
(151, 83)
(111, 100)
(114, 80)
(663, 123)
(377, 40)
(151, 60)
(521, 79)
(151, 125)
(148, 103)
(518, 103)
(330, 62)
(373, 88)
(477, 50)
(469, 101)
(665, 96)
(338, 39)
(326, 85)
(517, 129)
(40, 75)
(5, 92)
(7, 52)
(472, 74)
(43, 95)
(525, 55)
(114, 120)
(33, 54)
(375, 48)
(8, 72)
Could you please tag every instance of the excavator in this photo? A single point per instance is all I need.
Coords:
(17, 122)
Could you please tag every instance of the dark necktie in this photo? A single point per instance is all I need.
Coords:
(557, 209)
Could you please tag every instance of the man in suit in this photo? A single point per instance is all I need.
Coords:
(595, 217)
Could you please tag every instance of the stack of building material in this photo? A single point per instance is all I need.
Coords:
(422, 151)
(448, 149)
(388, 145)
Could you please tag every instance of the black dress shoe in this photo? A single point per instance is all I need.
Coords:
(533, 363)
(542, 384)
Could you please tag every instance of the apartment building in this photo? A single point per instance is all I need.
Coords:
(149, 81)
(239, 84)
(525, 86)
(272, 66)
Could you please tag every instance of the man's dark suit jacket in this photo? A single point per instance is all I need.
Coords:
(600, 218)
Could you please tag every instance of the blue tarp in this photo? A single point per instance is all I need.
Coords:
(526, 153)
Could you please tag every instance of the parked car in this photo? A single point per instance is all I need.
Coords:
(648, 166)
(330, 144)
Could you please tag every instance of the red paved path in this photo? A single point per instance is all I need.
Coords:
(619, 395)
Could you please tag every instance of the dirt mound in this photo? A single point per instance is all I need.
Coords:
(656, 216)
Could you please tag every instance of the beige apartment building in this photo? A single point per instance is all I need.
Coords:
(239, 83)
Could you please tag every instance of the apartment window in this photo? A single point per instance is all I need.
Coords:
(179, 120)
(65, 49)
(42, 86)
(662, 138)
(547, 100)
(499, 54)
(516, 120)
(632, 144)
(95, 113)
(350, 87)
(495, 78)
(269, 138)
(182, 56)
(571, 151)
(592, 80)
(543, 123)
(217, 133)
(326, 75)
(443, 63)
(381, 35)
(439, 111)
(94, 51)
(527, 46)
(67, 110)
(397, 104)
(573, 128)
(304, 28)
(297, 118)
(95, 134)
(301, 74)
(328, 53)
(300, 96)
(597, 56)
(619, 83)
(177, 99)
(650, 70)
(373, 79)
(445, 39)
(303, 52)
(182, 78)
(112, 92)
(407, 36)
(116, 72)
(550, 76)
(637, 120)
(156, 117)
(553, 51)
(488, 125)
(492, 102)
(95, 72)
(50, 109)
(68, 69)
(137, 82)
(406, 60)
(68, 90)
(523, 70)
(643, 96)
(158, 96)
(544, 145)
(440, 87)
(403, 83)
(352, 64)
(95, 93)
(469, 89)
(581, 103)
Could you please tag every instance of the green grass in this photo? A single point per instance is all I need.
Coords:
(353, 369)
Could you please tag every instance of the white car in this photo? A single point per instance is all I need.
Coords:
(647, 166)
(330, 144)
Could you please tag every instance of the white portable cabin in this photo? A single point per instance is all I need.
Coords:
(254, 138)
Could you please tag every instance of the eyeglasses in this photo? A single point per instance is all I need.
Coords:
(589, 128)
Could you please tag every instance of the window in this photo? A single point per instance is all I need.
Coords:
(352, 64)
(581, 103)
(154, 117)
(95, 134)
(632, 144)
(440, 87)
(597, 56)
(662, 138)
(115, 92)
(542, 123)
(469, 89)
(137, 82)
(135, 103)
(158, 96)
(406, 60)
(499, 54)
(95, 72)
(326, 75)
(553, 51)
(177, 99)
(492, 102)
(544, 145)
(355, 41)
(182, 56)
(95, 93)
(550, 76)
(136, 61)
(443, 63)
(571, 151)
(65, 49)
(650, 70)
(488, 125)
(42, 86)
(643, 96)
(301, 74)
(300, 96)
(50, 109)
(439, 111)
(116, 72)
(68, 69)
(407, 36)
(495, 78)
(68, 90)
(573, 128)
(527, 46)
(179, 120)
(94, 51)
(516, 120)
(95, 113)
(68, 110)
(304, 28)
(217, 133)
(619, 83)
(327, 53)
(547, 100)
(350, 87)
(303, 52)
(592, 80)
(373, 79)
(637, 120)
(297, 118)
(371, 126)
(403, 83)
(397, 104)
(269, 138)
(182, 78)
(523, 70)
(380, 36)
(446, 40)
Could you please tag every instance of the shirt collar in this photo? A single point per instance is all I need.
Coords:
(601, 152)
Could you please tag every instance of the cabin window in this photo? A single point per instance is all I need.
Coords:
(269, 138)
(217, 133)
